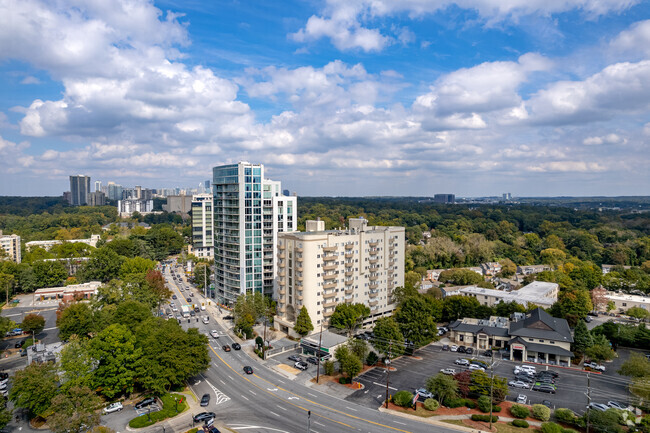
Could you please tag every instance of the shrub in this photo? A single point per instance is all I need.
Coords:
(541, 412)
(470, 404)
(519, 411)
(372, 358)
(485, 418)
(344, 380)
(403, 398)
(484, 403)
(431, 404)
(329, 367)
(454, 402)
(565, 415)
(551, 427)
(168, 411)
(496, 408)
(569, 430)
(520, 423)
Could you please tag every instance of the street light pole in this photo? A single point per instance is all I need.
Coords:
(387, 362)
(320, 339)
(491, 387)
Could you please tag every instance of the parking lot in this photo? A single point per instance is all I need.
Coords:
(412, 373)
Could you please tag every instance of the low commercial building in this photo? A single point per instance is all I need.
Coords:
(320, 269)
(46, 245)
(11, 245)
(322, 344)
(68, 293)
(623, 302)
(539, 293)
(534, 337)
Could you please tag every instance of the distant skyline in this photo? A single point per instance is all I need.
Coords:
(337, 98)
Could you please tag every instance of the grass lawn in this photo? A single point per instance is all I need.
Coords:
(168, 411)
(507, 428)
(454, 422)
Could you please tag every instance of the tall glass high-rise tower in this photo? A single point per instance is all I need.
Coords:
(249, 211)
(79, 189)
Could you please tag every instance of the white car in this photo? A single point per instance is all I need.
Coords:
(454, 348)
(598, 406)
(113, 407)
(595, 366)
(214, 333)
(518, 384)
(202, 307)
(616, 405)
(206, 319)
(474, 367)
(461, 361)
(424, 393)
(522, 399)
(449, 371)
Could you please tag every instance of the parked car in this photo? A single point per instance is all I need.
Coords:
(301, 365)
(214, 333)
(424, 393)
(544, 388)
(518, 384)
(469, 350)
(225, 348)
(204, 416)
(236, 346)
(547, 403)
(481, 363)
(146, 402)
(189, 300)
(474, 367)
(202, 307)
(445, 347)
(454, 348)
(19, 344)
(538, 383)
(113, 407)
(487, 353)
(588, 319)
(616, 405)
(312, 360)
(248, 369)
(197, 309)
(205, 400)
(598, 406)
(522, 399)
(295, 358)
(192, 313)
(461, 349)
(174, 297)
(524, 378)
(551, 373)
(4, 376)
(461, 361)
(449, 371)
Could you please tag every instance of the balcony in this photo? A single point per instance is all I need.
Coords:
(349, 282)
(329, 249)
(281, 281)
(281, 292)
(282, 309)
(298, 250)
(329, 267)
(349, 255)
(349, 264)
(328, 295)
(349, 273)
(391, 246)
(299, 277)
(373, 286)
(299, 268)
(373, 251)
(329, 285)
(349, 291)
(373, 268)
(373, 260)
(349, 246)
(329, 258)
(373, 244)
(390, 277)
(281, 273)
(329, 276)
(328, 313)
(391, 254)
(373, 277)
(373, 294)
(330, 304)
(390, 285)
(373, 303)
(349, 299)
(281, 255)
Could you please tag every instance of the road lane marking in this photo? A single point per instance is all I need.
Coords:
(244, 397)
(252, 392)
(397, 422)
(313, 395)
(275, 413)
(280, 407)
(383, 384)
(319, 423)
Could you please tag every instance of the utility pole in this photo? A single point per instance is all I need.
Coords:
(588, 400)
(205, 281)
(264, 340)
(320, 339)
(308, 421)
(491, 387)
(387, 362)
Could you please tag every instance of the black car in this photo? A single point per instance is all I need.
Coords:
(461, 349)
(189, 300)
(445, 347)
(228, 318)
(213, 429)
(548, 404)
(205, 400)
(551, 373)
(204, 416)
(524, 378)
(544, 388)
(197, 309)
(19, 344)
(469, 350)
(192, 313)
(236, 346)
(146, 402)
(174, 297)
(226, 348)
(4, 376)
(487, 353)
(295, 358)
(248, 369)
(312, 360)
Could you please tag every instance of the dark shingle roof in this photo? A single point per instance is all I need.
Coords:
(540, 324)
(542, 348)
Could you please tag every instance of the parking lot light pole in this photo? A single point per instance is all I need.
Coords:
(320, 339)
(387, 362)
(588, 400)
(491, 387)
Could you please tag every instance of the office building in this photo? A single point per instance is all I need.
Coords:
(181, 204)
(126, 207)
(96, 198)
(11, 245)
(98, 185)
(114, 191)
(249, 211)
(79, 189)
(319, 269)
(202, 226)
(444, 198)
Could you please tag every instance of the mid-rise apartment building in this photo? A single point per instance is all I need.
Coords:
(128, 206)
(202, 226)
(320, 269)
(249, 211)
(11, 245)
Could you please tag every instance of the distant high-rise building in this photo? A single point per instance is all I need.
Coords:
(11, 245)
(178, 204)
(202, 226)
(444, 198)
(128, 206)
(114, 191)
(96, 198)
(98, 185)
(79, 189)
(507, 196)
(249, 211)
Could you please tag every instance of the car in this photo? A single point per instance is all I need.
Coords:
(445, 347)
(301, 365)
(171, 304)
(547, 403)
(522, 399)
(213, 429)
(248, 369)
(424, 393)
(461, 361)
(4, 376)
(295, 358)
(524, 378)
(312, 360)
(461, 349)
(538, 383)
(481, 363)
(204, 416)
(175, 310)
(144, 403)
(236, 346)
(601, 407)
(23, 352)
(113, 407)
(519, 370)
(189, 300)
(616, 405)
(192, 313)
(488, 353)
(449, 371)
(469, 350)
(197, 310)
(544, 388)
(202, 307)
(19, 344)
(588, 319)
(600, 367)
(214, 333)
(545, 379)
(474, 367)
(551, 373)
(206, 319)
(205, 400)
(593, 313)
(454, 348)
(518, 384)
(174, 297)
(225, 348)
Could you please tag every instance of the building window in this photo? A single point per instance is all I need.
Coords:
(541, 341)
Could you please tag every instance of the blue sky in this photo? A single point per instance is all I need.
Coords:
(371, 97)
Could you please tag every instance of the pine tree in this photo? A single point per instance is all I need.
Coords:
(582, 339)
(303, 322)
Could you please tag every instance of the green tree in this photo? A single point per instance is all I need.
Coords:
(349, 316)
(352, 365)
(358, 347)
(341, 353)
(480, 384)
(553, 256)
(136, 265)
(412, 279)
(417, 318)
(74, 411)
(456, 307)
(508, 268)
(33, 323)
(104, 264)
(6, 325)
(131, 313)
(572, 304)
(638, 313)
(505, 309)
(34, 387)
(116, 357)
(582, 339)
(400, 294)
(637, 365)
(7, 282)
(202, 274)
(49, 274)
(75, 319)
(640, 387)
(461, 277)
(163, 241)
(5, 412)
(442, 386)
(76, 363)
(388, 340)
(303, 324)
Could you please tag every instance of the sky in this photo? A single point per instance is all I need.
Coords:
(334, 97)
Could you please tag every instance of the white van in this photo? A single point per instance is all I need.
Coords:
(530, 368)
